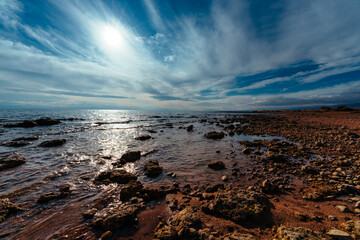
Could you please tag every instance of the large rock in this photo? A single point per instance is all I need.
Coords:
(214, 135)
(46, 122)
(115, 218)
(130, 190)
(216, 165)
(239, 205)
(184, 225)
(53, 143)
(150, 193)
(297, 233)
(115, 176)
(131, 156)
(337, 234)
(12, 160)
(152, 168)
(23, 124)
(7, 208)
(143, 137)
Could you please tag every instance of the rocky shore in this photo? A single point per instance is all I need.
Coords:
(301, 183)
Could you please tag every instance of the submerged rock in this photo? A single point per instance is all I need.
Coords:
(214, 135)
(152, 168)
(239, 205)
(33, 138)
(143, 137)
(15, 144)
(7, 208)
(53, 143)
(190, 128)
(115, 176)
(23, 124)
(295, 233)
(116, 218)
(216, 165)
(63, 192)
(47, 122)
(12, 160)
(131, 156)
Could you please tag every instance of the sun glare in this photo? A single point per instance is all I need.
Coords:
(112, 37)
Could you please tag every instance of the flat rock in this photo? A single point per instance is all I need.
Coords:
(343, 208)
(214, 135)
(53, 143)
(12, 160)
(216, 165)
(239, 205)
(152, 168)
(297, 233)
(337, 234)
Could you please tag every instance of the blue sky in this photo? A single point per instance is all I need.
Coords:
(179, 54)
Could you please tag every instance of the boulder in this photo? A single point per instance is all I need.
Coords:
(114, 176)
(53, 143)
(152, 168)
(130, 156)
(214, 135)
(216, 165)
(143, 137)
(12, 160)
(239, 205)
(46, 122)
(23, 124)
(115, 218)
(295, 233)
(130, 190)
(7, 208)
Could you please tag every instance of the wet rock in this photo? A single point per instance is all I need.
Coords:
(184, 225)
(152, 168)
(352, 227)
(269, 187)
(214, 135)
(53, 143)
(33, 138)
(296, 233)
(12, 160)
(238, 205)
(47, 122)
(130, 156)
(276, 157)
(143, 137)
(337, 234)
(7, 208)
(24, 124)
(114, 176)
(15, 144)
(63, 192)
(216, 165)
(115, 218)
(190, 128)
(130, 190)
(150, 194)
(89, 213)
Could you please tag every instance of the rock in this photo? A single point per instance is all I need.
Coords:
(89, 213)
(301, 216)
(190, 128)
(63, 192)
(332, 218)
(309, 169)
(247, 150)
(150, 194)
(276, 157)
(225, 178)
(130, 190)
(24, 124)
(215, 187)
(239, 205)
(352, 227)
(12, 160)
(143, 137)
(152, 168)
(46, 122)
(343, 208)
(237, 236)
(115, 176)
(339, 235)
(53, 143)
(214, 135)
(131, 156)
(297, 233)
(115, 218)
(7, 208)
(184, 225)
(269, 187)
(357, 204)
(106, 235)
(33, 138)
(216, 165)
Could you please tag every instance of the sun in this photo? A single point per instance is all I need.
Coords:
(112, 37)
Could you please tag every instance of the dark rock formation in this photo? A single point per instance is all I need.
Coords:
(12, 160)
(214, 135)
(115, 176)
(130, 157)
(216, 165)
(152, 168)
(143, 137)
(53, 143)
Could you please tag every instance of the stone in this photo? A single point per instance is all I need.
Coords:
(12, 160)
(53, 143)
(352, 227)
(106, 235)
(115, 176)
(237, 236)
(337, 234)
(152, 168)
(150, 193)
(190, 128)
(115, 218)
(225, 178)
(269, 187)
(301, 216)
(343, 208)
(214, 135)
(130, 190)
(216, 165)
(63, 192)
(24, 124)
(47, 122)
(143, 137)
(276, 157)
(15, 144)
(7, 208)
(239, 205)
(297, 233)
(130, 156)
(247, 150)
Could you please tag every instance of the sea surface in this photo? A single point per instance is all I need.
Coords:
(95, 139)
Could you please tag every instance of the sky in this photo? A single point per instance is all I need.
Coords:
(179, 54)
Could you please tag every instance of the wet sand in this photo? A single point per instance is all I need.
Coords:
(298, 177)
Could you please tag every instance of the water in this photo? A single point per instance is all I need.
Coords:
(94, 134)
